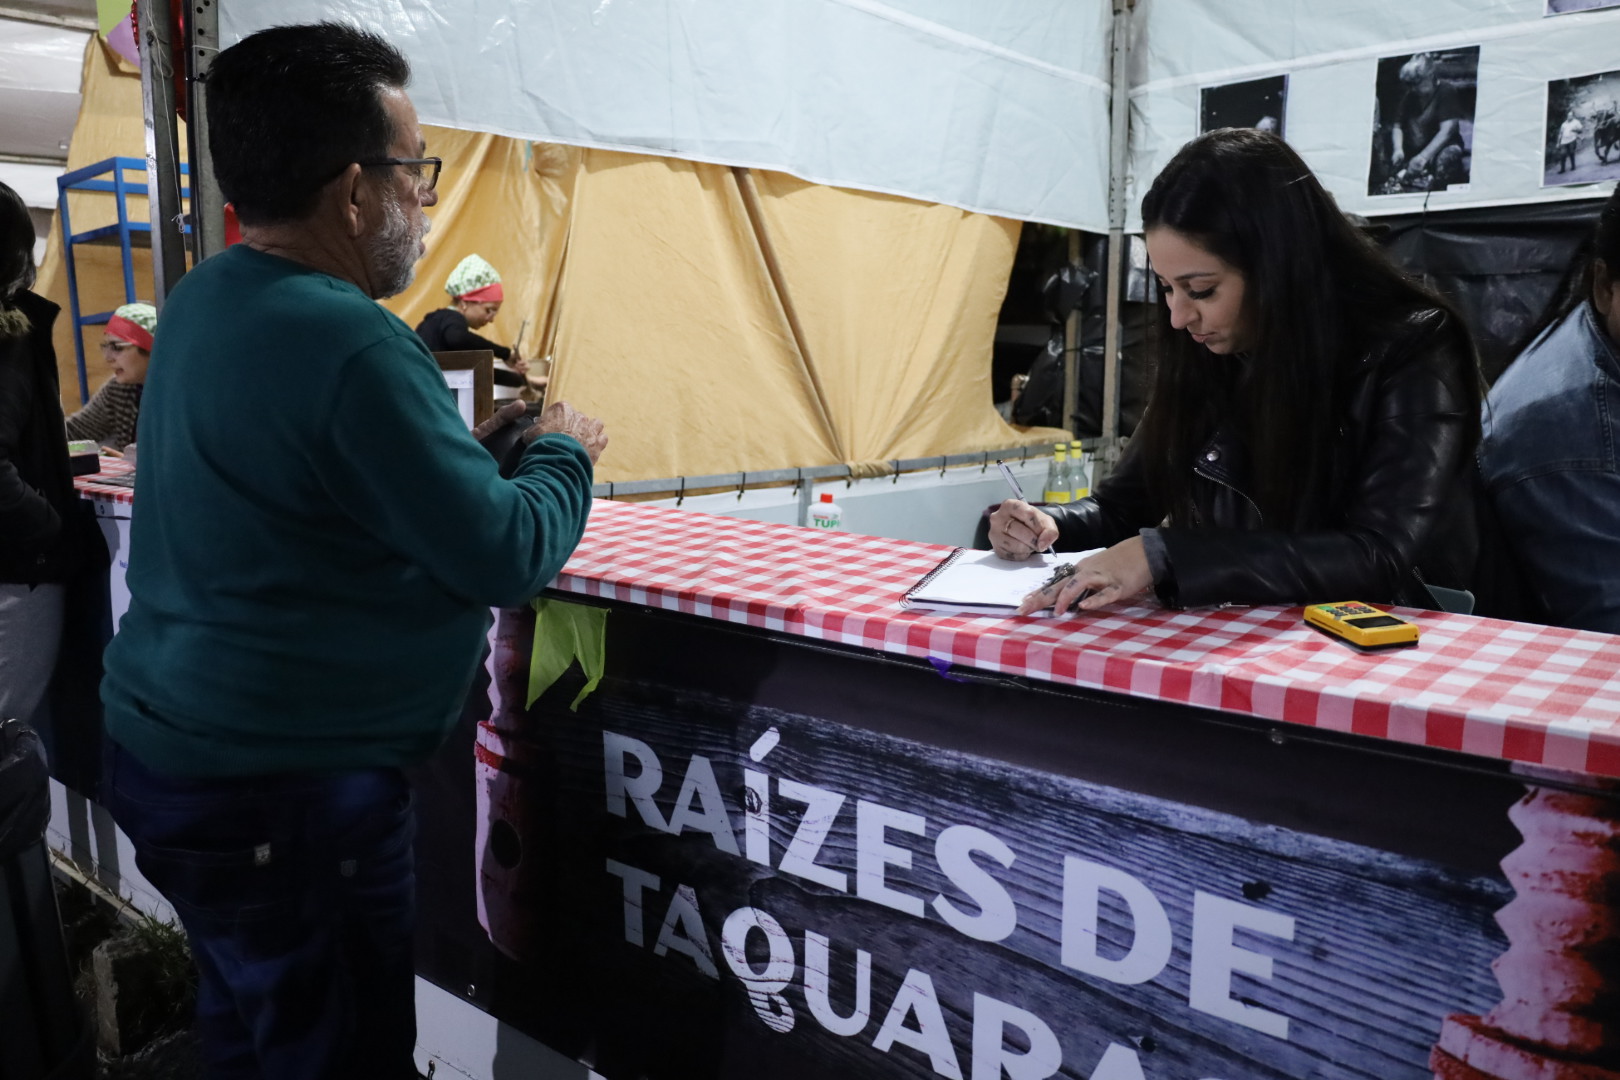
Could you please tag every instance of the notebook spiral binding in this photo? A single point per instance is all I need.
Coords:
(932, 574)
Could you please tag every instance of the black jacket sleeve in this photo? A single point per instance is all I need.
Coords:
(27, 519)
(458, 337)
(1118, 507)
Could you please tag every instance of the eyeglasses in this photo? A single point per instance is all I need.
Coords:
(414, 164)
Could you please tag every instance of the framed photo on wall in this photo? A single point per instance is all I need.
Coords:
(1582, 137)
(1258, 103)
(1569, 7)
(1423, 122)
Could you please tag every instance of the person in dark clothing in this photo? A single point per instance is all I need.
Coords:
(42, 541)
(1428, 121)
(310, 591)
(1309, 436)
(476, 295)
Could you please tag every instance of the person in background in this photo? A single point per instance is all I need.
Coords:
(110, 416)
(41, 542)
(1427, 136)
(312, 565)
(476, 295)
(1312, 419)
(1569, 134)
(1548, 455)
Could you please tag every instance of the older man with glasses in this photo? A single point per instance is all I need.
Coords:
(317, 542)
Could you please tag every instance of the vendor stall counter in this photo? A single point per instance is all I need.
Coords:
(721, 809)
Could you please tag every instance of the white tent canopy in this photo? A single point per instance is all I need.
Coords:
(1000, 108)
(39, 102)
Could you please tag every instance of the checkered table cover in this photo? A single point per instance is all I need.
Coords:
(90, 486)
(1513, 691)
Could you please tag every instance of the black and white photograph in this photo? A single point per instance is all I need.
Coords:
(1423, 122)
(1257, 103)
(1583, 130)
(1569, 7)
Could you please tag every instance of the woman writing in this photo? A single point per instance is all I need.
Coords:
(476, 295)
(110, 417)
(1312, 416)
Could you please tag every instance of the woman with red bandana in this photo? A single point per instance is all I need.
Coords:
(111, 415)
(476, 295)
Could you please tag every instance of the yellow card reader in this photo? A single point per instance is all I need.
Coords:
(1362, 625)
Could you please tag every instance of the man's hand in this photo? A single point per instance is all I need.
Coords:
(1018, 530)
(506, 414)
(561, 418)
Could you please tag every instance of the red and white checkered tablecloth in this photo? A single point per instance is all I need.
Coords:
(94, 486)
(1533, 694)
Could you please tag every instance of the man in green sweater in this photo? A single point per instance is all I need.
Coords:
(317, 543)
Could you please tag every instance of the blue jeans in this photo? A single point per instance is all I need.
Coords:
(297, 893)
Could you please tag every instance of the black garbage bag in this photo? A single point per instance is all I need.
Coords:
(25, 800)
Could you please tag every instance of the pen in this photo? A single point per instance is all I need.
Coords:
(1012, 481)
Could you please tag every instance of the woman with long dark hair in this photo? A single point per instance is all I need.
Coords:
(41, 534)
(1313, 412)
(1548, 455)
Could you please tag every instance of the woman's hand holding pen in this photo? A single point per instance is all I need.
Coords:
(1116, 574)
(1018, 530)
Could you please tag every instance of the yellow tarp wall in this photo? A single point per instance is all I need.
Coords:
(717, 319)
(109, 125)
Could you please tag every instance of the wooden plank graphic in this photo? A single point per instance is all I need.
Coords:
(725, 889)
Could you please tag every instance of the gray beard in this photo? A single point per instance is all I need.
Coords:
(393, 249)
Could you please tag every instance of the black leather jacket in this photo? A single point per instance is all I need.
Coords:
(40, 536)
(1400, 504)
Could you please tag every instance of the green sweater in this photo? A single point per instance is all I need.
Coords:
(316, 539)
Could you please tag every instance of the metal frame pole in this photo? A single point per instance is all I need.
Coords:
(162, 147)
(1071, 350)
(207, 204)
(1118, 165)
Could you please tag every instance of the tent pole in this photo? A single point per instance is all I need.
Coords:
(1071, 350)
(162, 146)
(207, 204)
(1118, 150)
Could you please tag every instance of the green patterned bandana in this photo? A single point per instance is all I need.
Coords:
(472, 274)
(142, 315)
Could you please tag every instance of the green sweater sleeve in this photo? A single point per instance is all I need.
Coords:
(400, 461)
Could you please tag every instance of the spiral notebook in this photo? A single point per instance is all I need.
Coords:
(981, 582)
